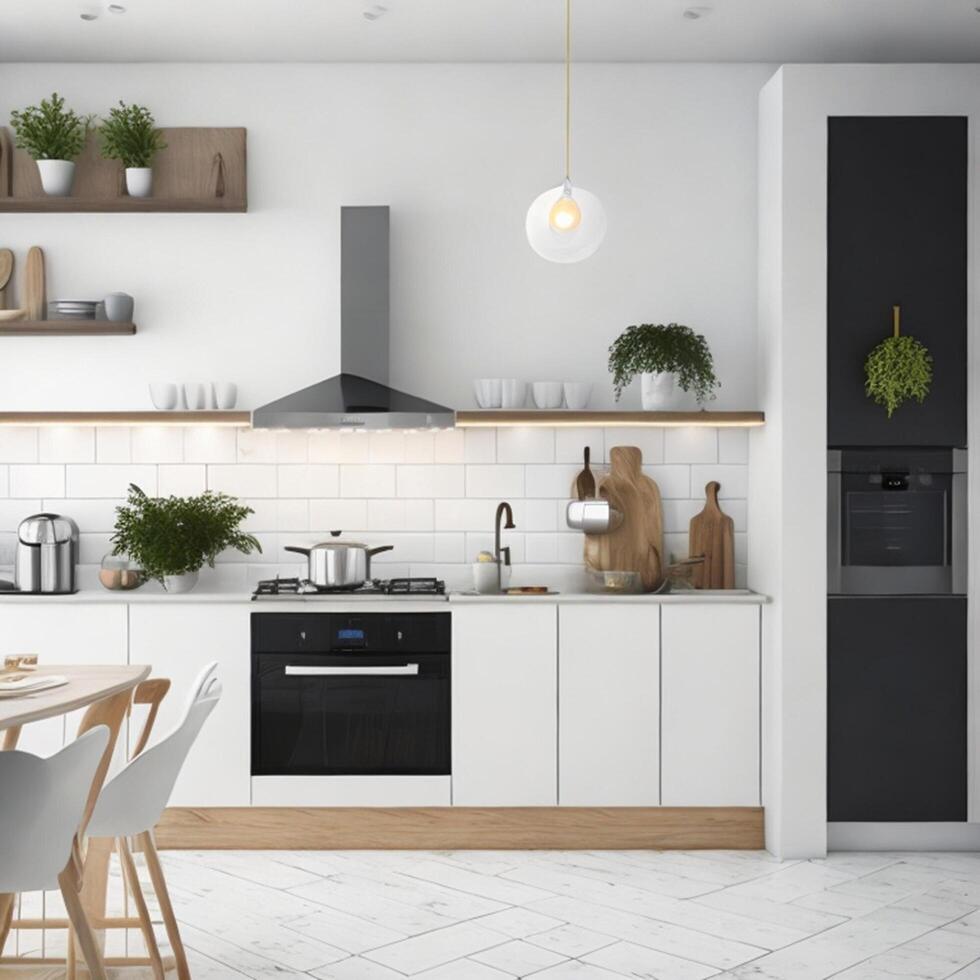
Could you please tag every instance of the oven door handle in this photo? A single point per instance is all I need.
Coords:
(403, 671)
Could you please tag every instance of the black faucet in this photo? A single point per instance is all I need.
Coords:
(501, 555)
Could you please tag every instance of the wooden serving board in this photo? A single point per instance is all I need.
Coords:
(637, 545)
(34, 295)
(712, 534)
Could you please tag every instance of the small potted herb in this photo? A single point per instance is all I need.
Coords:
(54, 137)
(130, 136)
(171, 538)
(662, 355)
(898, 369)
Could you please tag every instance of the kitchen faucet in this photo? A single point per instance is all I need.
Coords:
(501, 555)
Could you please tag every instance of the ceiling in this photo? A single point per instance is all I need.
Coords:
(490, 30)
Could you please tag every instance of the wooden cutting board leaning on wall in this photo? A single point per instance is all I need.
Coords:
(637, 545)
(712, 534)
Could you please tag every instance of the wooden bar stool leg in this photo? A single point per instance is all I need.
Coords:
(146, 845)
(6, 915)
(146, 925)
(83, 932)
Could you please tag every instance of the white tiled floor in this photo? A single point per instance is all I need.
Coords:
(487, 915)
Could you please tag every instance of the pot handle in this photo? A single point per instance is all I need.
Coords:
(377, 551)
(299, 551)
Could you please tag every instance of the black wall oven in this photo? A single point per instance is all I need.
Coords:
(351, 694)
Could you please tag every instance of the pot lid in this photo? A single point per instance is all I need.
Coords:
(337, 545)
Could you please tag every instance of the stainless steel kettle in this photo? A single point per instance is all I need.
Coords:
(47, 552)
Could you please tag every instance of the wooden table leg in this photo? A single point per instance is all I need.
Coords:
(80, 924)
(6, 915)
(145, 842)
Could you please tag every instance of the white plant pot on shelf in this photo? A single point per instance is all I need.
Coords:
(180, 583)
(139, 181)
(657, 391)
(57, 176)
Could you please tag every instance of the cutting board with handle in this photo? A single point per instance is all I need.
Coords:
(636, 545)
(33, 299)
(6, 272)
(712, 535)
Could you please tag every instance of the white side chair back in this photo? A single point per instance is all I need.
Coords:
(42, 802)
(132, 802)
(203, 685)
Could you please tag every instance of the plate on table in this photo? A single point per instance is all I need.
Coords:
(30, 685)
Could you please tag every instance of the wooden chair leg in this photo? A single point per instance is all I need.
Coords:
(79, 921)
(142, 913)
(149, 849)
(6, 915)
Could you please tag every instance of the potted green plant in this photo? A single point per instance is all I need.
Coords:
(663, 355)
(54, 137)
(898, 369)
(172, 538)
(130, 136)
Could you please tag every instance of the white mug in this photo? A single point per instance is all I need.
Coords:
(487, 392)
(547, 394)
(512, 393)
(577, 395)
(164, 396)
(195, 396)
(225, 394)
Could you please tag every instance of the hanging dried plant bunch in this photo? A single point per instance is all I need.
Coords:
(898, 369)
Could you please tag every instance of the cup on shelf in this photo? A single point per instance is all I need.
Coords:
(547, 394)
(119, 307)
(164, 396)
(224, 395)
(513, 393)
(577, 395)
(195, 396)
(487, 392)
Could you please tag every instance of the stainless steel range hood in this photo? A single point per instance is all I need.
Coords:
(359, 397)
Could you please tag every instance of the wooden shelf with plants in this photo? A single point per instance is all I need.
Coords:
(202, 169)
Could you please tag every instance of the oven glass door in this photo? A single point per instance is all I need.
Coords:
(350, 714)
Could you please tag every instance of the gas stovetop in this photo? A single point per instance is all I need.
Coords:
(395, 588)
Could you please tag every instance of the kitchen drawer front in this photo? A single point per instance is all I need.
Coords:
(351, 791)
(609, 705)
(710, 733)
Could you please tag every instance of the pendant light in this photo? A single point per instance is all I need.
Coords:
(566, 224)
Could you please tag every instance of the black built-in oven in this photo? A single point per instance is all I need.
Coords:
(350, 694)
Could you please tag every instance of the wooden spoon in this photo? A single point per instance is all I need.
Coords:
(6, 271)
(585, 483)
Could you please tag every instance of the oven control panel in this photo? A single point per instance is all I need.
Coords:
(350, 632)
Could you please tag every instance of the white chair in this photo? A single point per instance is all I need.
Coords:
(132, 803)
(42, 802)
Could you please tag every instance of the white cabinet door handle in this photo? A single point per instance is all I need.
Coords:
(405, 670)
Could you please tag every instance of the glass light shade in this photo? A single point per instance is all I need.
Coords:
(553, 231)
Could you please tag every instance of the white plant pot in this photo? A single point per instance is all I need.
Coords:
(657, 390)
(139, 181)
(180, 583)
(56, 176)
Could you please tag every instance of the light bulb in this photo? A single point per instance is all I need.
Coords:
(565, 214)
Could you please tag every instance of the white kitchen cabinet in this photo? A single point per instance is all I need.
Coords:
(710, 705)
(69, 633)
(609, 705)
(178, 639)
(505, 695)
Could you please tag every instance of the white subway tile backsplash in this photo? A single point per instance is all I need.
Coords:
(91, 516)
(339, 446)
(420, 447)
(484, 541)
(439, 480)
(107, 481)
(673, 481)
(464, 515)
(292, 515)
(112, 444)
(243, 479)
(526, 445)
(405, 548)
(12, 512)
(678, 514)
(292, 446)
(256, 445)
(386, 447)
(734, 480)
(37, 480)
(337, 515)
(399, 515)
(550, 481)
(691, 445)
(367, 481)
(186, 480)
(500, 481)
(536, 515)
(312, 480)
(449, 446)
(569, 444)
(157, 444)
(4, 481)
(650, 442)
(541, 548)
(479, 445)
(264, 516)
(733, 446)
(571, 547)
(210, 444)
(18, 444)
(67, 444)
(449, 548)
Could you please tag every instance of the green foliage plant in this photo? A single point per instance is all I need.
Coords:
(176, 535)
(130, 135)
(49, 131)
(655, 348)
(898, 369)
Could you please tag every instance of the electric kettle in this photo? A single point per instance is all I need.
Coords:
(47, 552)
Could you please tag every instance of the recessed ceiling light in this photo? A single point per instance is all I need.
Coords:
(374, 12)
(696, 13)
(89, 13)
(116, 8)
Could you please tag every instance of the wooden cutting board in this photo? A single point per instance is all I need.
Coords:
(33, 299)
(712, 534)
(6, 272)
(637, 545)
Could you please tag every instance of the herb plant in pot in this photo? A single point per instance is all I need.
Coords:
(54, 137)
(172, 538)
(663, 355)
(130, 136)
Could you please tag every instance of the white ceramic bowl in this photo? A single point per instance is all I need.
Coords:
(485, 577)
(547, 394)
(513, 393)
(487, 392)
(577, 395)
(164, 396)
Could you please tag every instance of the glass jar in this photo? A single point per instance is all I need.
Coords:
(120, 574)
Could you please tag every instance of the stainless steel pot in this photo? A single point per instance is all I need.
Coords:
(339, 564)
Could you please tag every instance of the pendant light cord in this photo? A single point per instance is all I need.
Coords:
(568, 89)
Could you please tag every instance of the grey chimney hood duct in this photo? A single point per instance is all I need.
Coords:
(358, 397)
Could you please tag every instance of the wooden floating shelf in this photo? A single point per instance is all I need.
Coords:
(65, 328)
(495, 418)
(127, 418)
(203, 169)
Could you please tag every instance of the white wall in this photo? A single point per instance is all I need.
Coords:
(458, 152)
